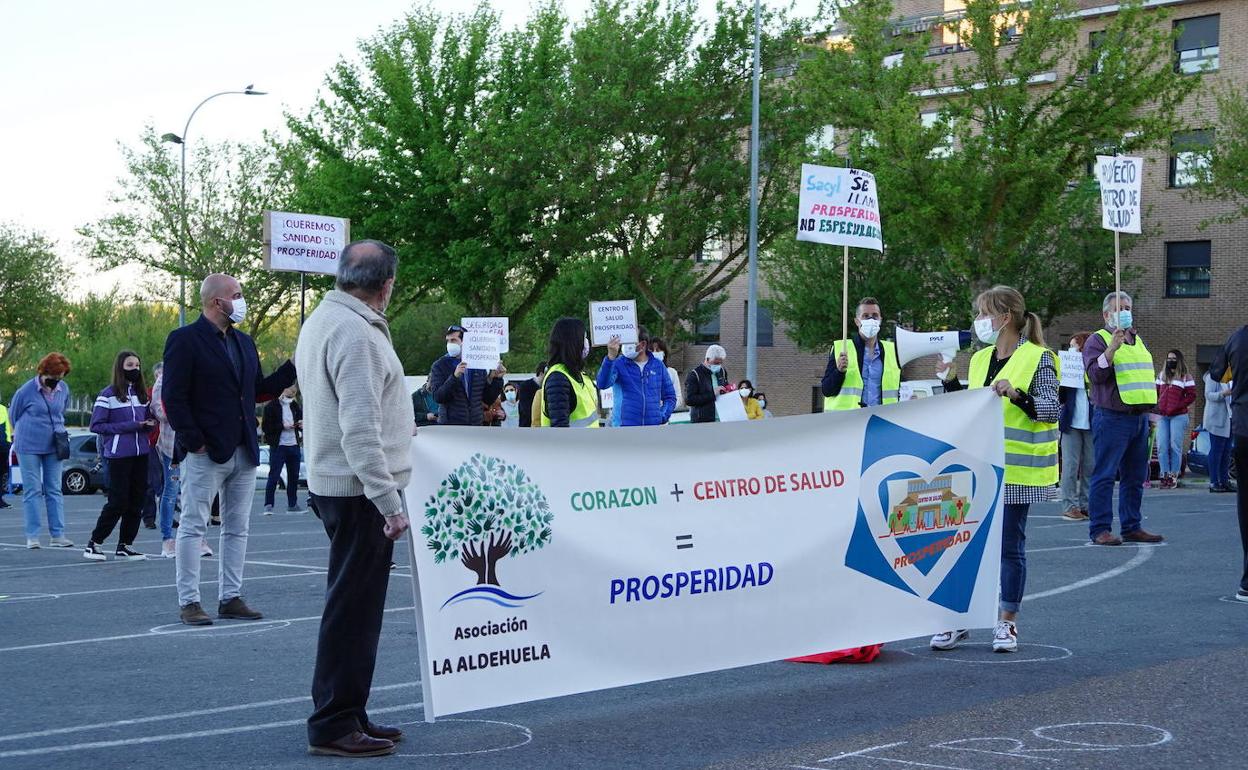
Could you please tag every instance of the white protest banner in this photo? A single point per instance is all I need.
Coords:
(839, 206)
(1120, 178)
(537, 575)
(480, 350)
(730, 407)
(304, 243)
(905, 391)
(613, 318)
(500, 326)
(1072, 368)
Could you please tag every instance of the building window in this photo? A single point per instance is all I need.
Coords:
(1095, 41)
(823, 140)
(712, 250)
(1187, 269)
(1188, 156)
(1196, 48)
(707, 332)
(766, 329)
(932, 120)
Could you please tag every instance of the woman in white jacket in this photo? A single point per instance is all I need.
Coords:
(1217, 422)
(658, 349)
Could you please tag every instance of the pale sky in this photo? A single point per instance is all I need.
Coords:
(80, 75)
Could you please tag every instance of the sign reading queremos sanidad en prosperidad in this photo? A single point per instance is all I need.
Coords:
(304, 243)
(544, 568)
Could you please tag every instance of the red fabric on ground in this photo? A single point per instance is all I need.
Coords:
(852, 655)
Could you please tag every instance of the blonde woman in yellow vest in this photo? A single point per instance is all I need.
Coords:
(1120, 370)
(1020, 369)
(569, 397)
(866, 372)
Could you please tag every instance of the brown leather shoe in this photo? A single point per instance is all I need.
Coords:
(1107, 538)
(357, 744)
(237, 609)
(385, 732)
(1140, 536)
(194, 615)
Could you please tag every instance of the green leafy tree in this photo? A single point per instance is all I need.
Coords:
(32, 284)
(228, 188)
(995, 189)
(1224, 174)
(484, 510)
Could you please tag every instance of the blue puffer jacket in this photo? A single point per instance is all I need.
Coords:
(119, 423)
(644, 396)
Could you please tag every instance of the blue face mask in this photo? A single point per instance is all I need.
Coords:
(715, 367)
(1125, 321)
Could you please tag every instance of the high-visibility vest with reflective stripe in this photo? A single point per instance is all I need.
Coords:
(1133, 371)
(1030, 446)
(850, 396)
(585, 415)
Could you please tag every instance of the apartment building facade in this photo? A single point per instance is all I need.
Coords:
(1191, 284)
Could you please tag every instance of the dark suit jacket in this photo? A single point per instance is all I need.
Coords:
(454, 405)
(1233, 359)
(209, 404)
(271, 421)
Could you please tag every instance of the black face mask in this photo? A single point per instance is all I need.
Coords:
(51, 382)
(132, 375)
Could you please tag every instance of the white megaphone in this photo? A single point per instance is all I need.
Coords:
(912, 345)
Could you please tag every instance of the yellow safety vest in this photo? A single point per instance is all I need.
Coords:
(1133, 371)
(850, 396)
(7, 427)
(585, 415)
(1030, 446)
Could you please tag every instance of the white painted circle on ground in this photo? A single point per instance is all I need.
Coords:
(515, 735)
(1157, 735)
(24, 597)
(241, 628)
(1233, 600)
(1028, 653)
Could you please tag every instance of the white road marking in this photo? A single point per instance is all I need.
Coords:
(181, 715)
(862, 751)
(1141, 555)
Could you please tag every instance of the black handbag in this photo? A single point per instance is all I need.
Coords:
(60, 438)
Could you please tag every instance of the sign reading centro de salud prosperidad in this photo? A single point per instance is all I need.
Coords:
(616, 318)
(304, 243)
(839, 206)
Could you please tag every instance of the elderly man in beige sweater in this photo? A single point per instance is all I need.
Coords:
(357, 424)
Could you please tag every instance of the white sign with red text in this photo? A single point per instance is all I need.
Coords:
(839, 206)
(500, 326)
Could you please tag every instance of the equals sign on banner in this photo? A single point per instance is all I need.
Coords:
(683, 542)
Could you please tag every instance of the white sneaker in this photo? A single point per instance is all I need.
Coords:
(61, 542)
(205, 550)
(93, 552)
(948, 640)
(33, 543)
(169, 549)
(1005, 637)
(1241, 595)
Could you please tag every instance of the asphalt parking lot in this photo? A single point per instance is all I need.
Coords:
(1131, 657)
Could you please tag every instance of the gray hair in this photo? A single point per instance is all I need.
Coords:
(1120, 296)
(366, 266)
(715, 351)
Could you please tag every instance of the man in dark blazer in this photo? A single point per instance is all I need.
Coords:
(462, 393)
(211, 384)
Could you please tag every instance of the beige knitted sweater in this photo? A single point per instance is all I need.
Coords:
(357, 413)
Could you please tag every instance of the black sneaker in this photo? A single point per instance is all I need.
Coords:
(214, 521)
(126, 553)
(93, 552)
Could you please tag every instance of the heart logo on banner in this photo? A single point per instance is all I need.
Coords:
(924, 516)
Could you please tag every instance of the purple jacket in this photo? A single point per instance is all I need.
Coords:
(119, 422)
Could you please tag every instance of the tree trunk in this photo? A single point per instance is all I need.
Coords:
(472, 556)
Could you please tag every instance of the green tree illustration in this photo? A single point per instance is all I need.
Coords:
(484, 510)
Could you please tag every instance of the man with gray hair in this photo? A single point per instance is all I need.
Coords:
(1120, 370)
(358, 427)
(707, 382)
(211, 381)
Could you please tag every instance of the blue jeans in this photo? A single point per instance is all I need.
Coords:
(1219, 460)
(168, 496)
(1120, 447)
(1014, 556)
(1171, 438)
(283, 457)
(41, 480)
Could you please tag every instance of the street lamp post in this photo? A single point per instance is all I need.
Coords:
(751, 313)
(186, 233)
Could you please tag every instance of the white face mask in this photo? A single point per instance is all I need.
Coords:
(659, 355)
(745, 392)
(762, 403)
(630, 351)
(238, 310)
(453, 349)
(287, 399)
(985, 332)
(870, 328)
(585, 349)
(510, 395)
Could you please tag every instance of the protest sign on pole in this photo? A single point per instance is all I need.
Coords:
(497, 325)
(1121, 178)
(839, 206)
(845, 529)
(481, 350)
(611, 319)
(304, 243)
(1072, 368)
